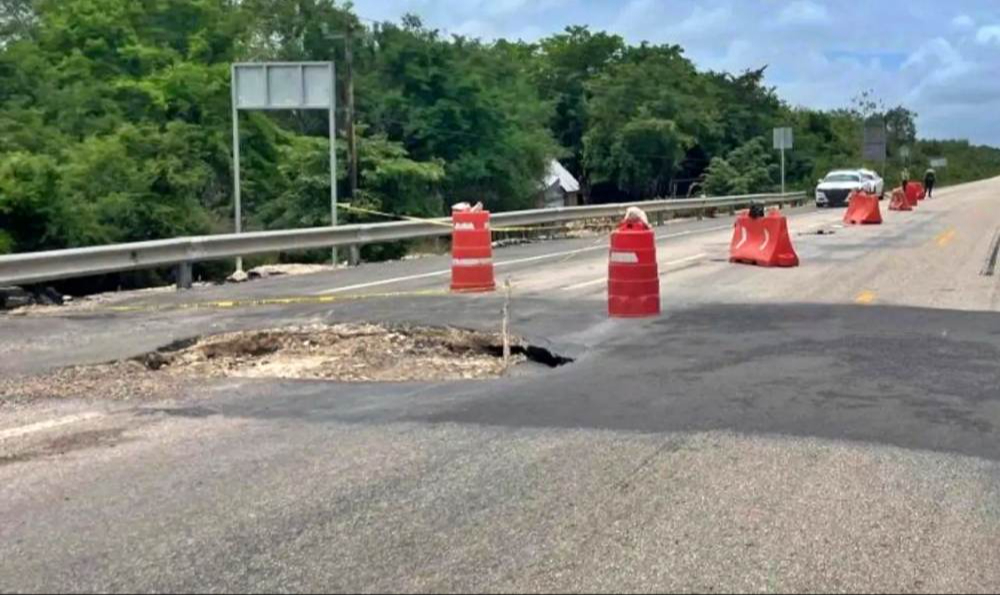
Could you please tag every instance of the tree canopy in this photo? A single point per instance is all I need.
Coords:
(115, 120)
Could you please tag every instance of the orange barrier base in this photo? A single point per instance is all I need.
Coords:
(473, 279)
(763, 241)
(899, 201)
(863, 209)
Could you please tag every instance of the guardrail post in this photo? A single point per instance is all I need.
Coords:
(184, 275)
(354, 255)
(659, 218)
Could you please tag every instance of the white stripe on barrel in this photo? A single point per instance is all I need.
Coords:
(465, 227)
(625, 257)
(471, 262)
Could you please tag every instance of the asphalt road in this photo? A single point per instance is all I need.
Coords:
(832, 427)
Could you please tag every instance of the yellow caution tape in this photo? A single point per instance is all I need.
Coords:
(351, 207)
(278, 301)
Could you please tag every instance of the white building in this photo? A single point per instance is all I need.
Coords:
(559, 188)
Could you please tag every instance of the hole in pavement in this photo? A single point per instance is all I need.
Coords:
(185, 412)
(67, 443)
(533, 353)
(990, 267)
(348, 352)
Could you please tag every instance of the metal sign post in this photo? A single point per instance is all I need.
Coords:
(283, 86)
(782, 141)
(874, 143)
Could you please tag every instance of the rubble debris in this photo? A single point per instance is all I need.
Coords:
(12, 298)
(345, 352)
(274, 270)
(340, 352)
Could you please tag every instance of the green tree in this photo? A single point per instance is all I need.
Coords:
(749, 169)
(462, 102)
(629, 96)
(567, 62)
(17, 20)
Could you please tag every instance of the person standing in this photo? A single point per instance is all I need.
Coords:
(904, 178)
(930, 178)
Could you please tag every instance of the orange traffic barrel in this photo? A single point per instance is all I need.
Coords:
(471, 252)
(633, 275)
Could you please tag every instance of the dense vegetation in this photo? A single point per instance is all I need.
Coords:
(115, 120)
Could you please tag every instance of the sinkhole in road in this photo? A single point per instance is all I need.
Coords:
(348, 353)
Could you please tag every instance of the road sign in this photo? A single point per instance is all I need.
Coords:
(939, 162)
(782, 142)
(874, 141)
(783, 138)
(278, 85)
(283, 86)
(904, 152)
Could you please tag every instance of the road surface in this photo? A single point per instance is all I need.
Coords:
(833, 427)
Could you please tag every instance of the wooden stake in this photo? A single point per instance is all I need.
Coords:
(505, 331)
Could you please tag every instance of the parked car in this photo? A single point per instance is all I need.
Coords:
(876, 185)
(834, 189)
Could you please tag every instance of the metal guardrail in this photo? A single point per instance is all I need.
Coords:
(37, 267)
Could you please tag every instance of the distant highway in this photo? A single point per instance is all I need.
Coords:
(834, 426)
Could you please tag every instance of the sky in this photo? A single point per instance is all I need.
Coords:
(940, 58)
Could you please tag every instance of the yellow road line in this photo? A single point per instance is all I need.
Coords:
(47, 425)
(945, 238)
(276, 301)
(865, 298)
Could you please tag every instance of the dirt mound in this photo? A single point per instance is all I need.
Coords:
(344, 352)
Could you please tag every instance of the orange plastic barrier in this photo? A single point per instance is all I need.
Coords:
(633, 275)
(913, 192)
(763, 241)
(863, 209)
(471, 252)
(899, 201)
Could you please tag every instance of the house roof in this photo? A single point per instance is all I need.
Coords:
(557, 174)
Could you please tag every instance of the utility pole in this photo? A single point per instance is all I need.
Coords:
(352, 146)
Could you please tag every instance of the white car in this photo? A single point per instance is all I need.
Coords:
(876, 185)
(834, 189)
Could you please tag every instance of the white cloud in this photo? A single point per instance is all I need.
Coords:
(704, 19)
(963, 21)
(937, 58)
(653, 20)
(938, 53)
(988, 35)
(475, 28)
(804, 12)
